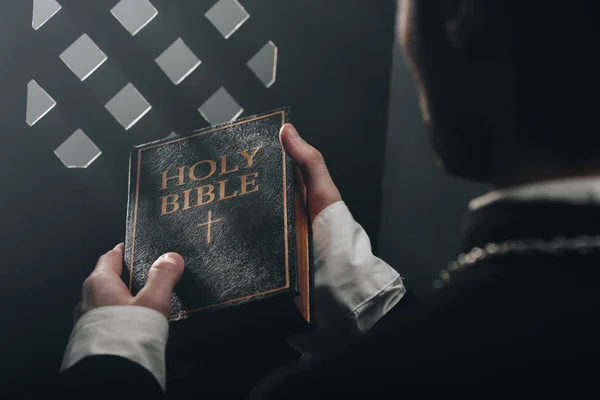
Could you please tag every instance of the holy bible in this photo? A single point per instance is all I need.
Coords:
(229, 200)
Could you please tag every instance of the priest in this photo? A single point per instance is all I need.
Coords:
(507, 88)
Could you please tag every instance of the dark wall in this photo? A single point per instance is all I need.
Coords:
(422, 207)
(334, 68)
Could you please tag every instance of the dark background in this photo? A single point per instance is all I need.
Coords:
(334, 69)
(422, 207)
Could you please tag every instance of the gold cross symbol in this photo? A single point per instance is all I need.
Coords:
(209, 224)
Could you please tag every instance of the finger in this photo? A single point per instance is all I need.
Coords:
(303, 154)
(162, 279)
(315, 173)
(111, 262)
(307, 158)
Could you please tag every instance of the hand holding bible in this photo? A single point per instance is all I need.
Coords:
(353, 288)
(104, 287)
(346, 271)
(321, 190)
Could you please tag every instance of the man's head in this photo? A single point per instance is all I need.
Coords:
(508, 87)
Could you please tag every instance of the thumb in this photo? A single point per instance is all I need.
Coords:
(162, 279)
(322, 192)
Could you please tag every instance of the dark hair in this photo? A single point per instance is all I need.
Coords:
(555, 48)
(557, 52)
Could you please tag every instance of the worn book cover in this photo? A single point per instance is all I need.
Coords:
(230, 201)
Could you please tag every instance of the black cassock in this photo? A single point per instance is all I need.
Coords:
(520, 322)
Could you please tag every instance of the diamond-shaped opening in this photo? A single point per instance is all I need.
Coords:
(227, 16)
(128, 106)
(220, 107)
(134, 15)
(178, 61)
(78, 151)
(43, 10)
(39, 103)
(264, 64)
(83, 57)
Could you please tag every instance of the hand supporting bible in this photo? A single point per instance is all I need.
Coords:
(104, 287)
(353, 288)
(115, 323)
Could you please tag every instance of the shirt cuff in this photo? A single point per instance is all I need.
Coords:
(138, 334)
(353, 288)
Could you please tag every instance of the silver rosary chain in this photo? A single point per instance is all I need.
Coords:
(555, 247)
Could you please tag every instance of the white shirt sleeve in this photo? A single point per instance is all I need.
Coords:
(136, 333)
(353, 288)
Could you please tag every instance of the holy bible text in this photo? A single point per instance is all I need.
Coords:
(228, 185)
